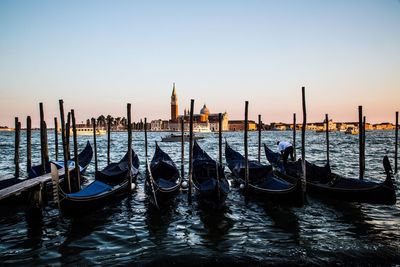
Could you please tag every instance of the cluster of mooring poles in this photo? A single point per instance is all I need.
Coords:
(73, 179)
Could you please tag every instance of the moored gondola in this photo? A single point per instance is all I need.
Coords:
(264, 182)
(163, 181)
(209, 179)
(85, 157)
(321, 182)
(110, 184)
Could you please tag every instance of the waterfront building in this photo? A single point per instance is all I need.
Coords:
(238, 125)
(202, 122)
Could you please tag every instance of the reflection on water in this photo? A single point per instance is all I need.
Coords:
(246, 232)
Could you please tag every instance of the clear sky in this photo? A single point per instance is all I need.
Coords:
(99, 55)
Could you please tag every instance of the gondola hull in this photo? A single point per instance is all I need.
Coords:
(377, 194)
(163, 196)
(264, 183)
(79, 205)
(212, 193)
(209, 179)
(111, 183)
(163, 179)
(322, 183)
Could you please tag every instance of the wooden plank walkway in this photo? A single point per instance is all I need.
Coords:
(26, 184)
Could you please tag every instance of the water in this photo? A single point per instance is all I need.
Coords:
(246, 232)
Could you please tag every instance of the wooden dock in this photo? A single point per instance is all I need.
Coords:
(27, 184)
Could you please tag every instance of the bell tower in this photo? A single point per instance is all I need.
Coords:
(174, 105)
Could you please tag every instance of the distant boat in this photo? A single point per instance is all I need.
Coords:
(178, 137)
(87, 131)
(201, 129)
(351, 130)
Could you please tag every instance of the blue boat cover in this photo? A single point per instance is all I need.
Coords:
(92, 189)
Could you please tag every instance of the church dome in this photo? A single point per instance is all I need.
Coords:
(205, 110)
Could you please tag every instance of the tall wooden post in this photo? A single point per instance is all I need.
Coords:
(220, 138)
(363, 144)
(95, 144)
(182, 147)
(64, 142)
(28, 144)
(17, 141)
(327, 138)
(396, 142)
(42, 150)
(145, 138)
(360, 141)
(294, 136)
(190, 151)
(46, 145)
(108, 140)
(56, 136)
(303, 137)
(246, 153)
(77, 169)
(68, 134)
(128, 107)
(259, 137)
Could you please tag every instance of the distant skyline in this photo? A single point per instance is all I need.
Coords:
(100, 55)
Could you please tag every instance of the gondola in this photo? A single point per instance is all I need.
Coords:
(163, 181)
(209, 180)
(85, 156)
(110, 184)
(84, 159)
(321, 182)
(264, 182)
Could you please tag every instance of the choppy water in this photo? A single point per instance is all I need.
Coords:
(247, 232)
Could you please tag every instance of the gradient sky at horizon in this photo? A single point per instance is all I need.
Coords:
(100, 55)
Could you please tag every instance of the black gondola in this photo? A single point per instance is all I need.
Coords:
(209, 178)
(110, 183)
(321, 182)
(164, 180)
(264, 182)
(85, 156)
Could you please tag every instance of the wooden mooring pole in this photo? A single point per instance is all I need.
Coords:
(17, 142)
(68, 134)
(96, 168)
(396, 142)
(76, 155)
(360, 142)
(294, 136)
(42, 139)
(28, 144)
(259, 137)
(182, 147)
(145, 138)
(128, 109)
(327, 139)
(246, 152)
(56, 137)
(363, 144)
(64, 143)
(303, 138)
(220, 138)
(108, 139)
(190, 151)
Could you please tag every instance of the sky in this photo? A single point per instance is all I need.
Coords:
(99, 55)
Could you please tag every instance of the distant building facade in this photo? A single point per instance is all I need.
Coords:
(202, 122)
(238, 125)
